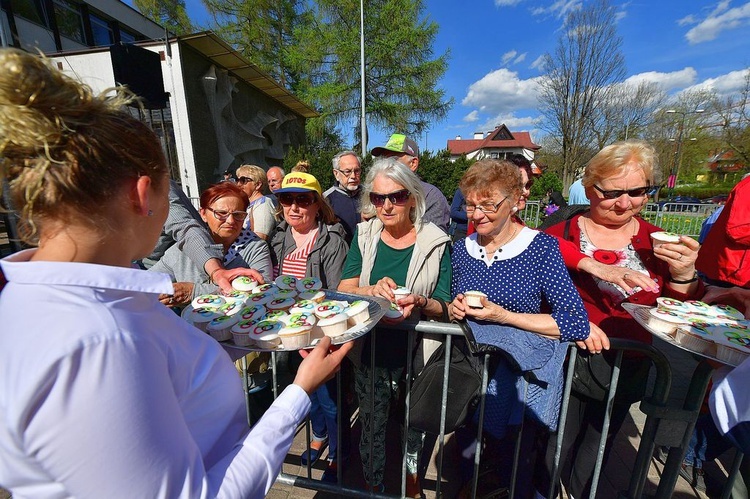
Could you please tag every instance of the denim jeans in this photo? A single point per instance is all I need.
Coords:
(323, 415)
(706, 443)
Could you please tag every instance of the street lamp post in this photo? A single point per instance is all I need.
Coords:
(677, 163)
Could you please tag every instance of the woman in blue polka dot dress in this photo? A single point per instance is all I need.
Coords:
(519, 269)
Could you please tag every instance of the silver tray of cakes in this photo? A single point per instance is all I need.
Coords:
(719, 332)
(286, 315)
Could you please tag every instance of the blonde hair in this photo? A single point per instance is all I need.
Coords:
(65, 151)
(486, 175)
(615, 160)
(254, 172)
(302, 166)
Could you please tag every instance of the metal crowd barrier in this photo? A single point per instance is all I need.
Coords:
(659, 417)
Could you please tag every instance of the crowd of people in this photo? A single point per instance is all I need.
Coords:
(106, 392)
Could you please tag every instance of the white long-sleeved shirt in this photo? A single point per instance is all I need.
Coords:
(730, 404)
(104, 392)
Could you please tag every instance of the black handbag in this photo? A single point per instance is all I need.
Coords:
(592, 374)
(464, 386)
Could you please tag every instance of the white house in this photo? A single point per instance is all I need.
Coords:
(496, 144)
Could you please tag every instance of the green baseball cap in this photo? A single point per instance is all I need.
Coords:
(398, 143)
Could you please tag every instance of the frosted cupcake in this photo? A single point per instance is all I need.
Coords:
(220, 328)
(300, 318)
(285, 293)
(238, 296)
(334, 325)
(358, 312)
(276, 315)
(280, 304)
(316, 296)
(210, 300)
(295, 336)
(265, 334)
(286, 282)
(309, 284)
(241, 333)
(394, 312)
(244, 283)
(659, 238)
(303, 306)
(266, 288)
(252, 313)
(695, 342)
(474, 299)
(665, 303)
(665, 321)
(400, 292)
(200, 317)
(328, 308)
(699, 307)
(730, 311)
(259, 298)
(231, 307)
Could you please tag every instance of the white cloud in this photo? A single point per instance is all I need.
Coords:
(687, 20)
(720, 20)
(472, 116)
(508, 56)
(559, 9)
(666, 81)
(537, 64)
(507, 3)
(501, 91)
(520, 58)
(724, 85)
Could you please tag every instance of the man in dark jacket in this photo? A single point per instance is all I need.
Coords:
(344, 195)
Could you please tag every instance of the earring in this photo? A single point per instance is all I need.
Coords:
(514, 209)
(150, 213)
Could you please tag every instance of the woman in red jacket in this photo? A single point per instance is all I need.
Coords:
(617, 180)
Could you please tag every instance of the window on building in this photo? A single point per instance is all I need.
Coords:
(102, 31)
(126, 37)
(495, 155)
(69, 20)
(31, 10)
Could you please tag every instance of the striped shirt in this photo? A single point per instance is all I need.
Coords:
(295, 263)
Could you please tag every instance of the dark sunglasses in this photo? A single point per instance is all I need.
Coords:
(301, 200)
(244, 180)
(638, 192)
(528, 185)
(397, 198)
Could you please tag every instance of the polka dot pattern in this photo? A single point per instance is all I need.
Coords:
(531, 282)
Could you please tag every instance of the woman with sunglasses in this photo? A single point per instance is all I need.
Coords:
(393, 248)
(612, 235)
(261, 210)
(310, 243)
(224, 209)
(104, 391)
(530, 298)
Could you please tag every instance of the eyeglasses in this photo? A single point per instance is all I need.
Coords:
(485, 207)
(223, 214)
(397, 198)
(614, 194)
(244, 180)
(348, 173)
(301, 200)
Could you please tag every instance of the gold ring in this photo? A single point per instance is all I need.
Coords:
(625, 276)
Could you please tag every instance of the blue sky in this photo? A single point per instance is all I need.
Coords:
(495, 47)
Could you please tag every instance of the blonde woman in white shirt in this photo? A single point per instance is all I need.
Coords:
(104, 392)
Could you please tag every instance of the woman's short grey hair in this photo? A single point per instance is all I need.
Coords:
(393, 169)
(340, 155)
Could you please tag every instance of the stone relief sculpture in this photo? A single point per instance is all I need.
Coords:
(238, 141)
